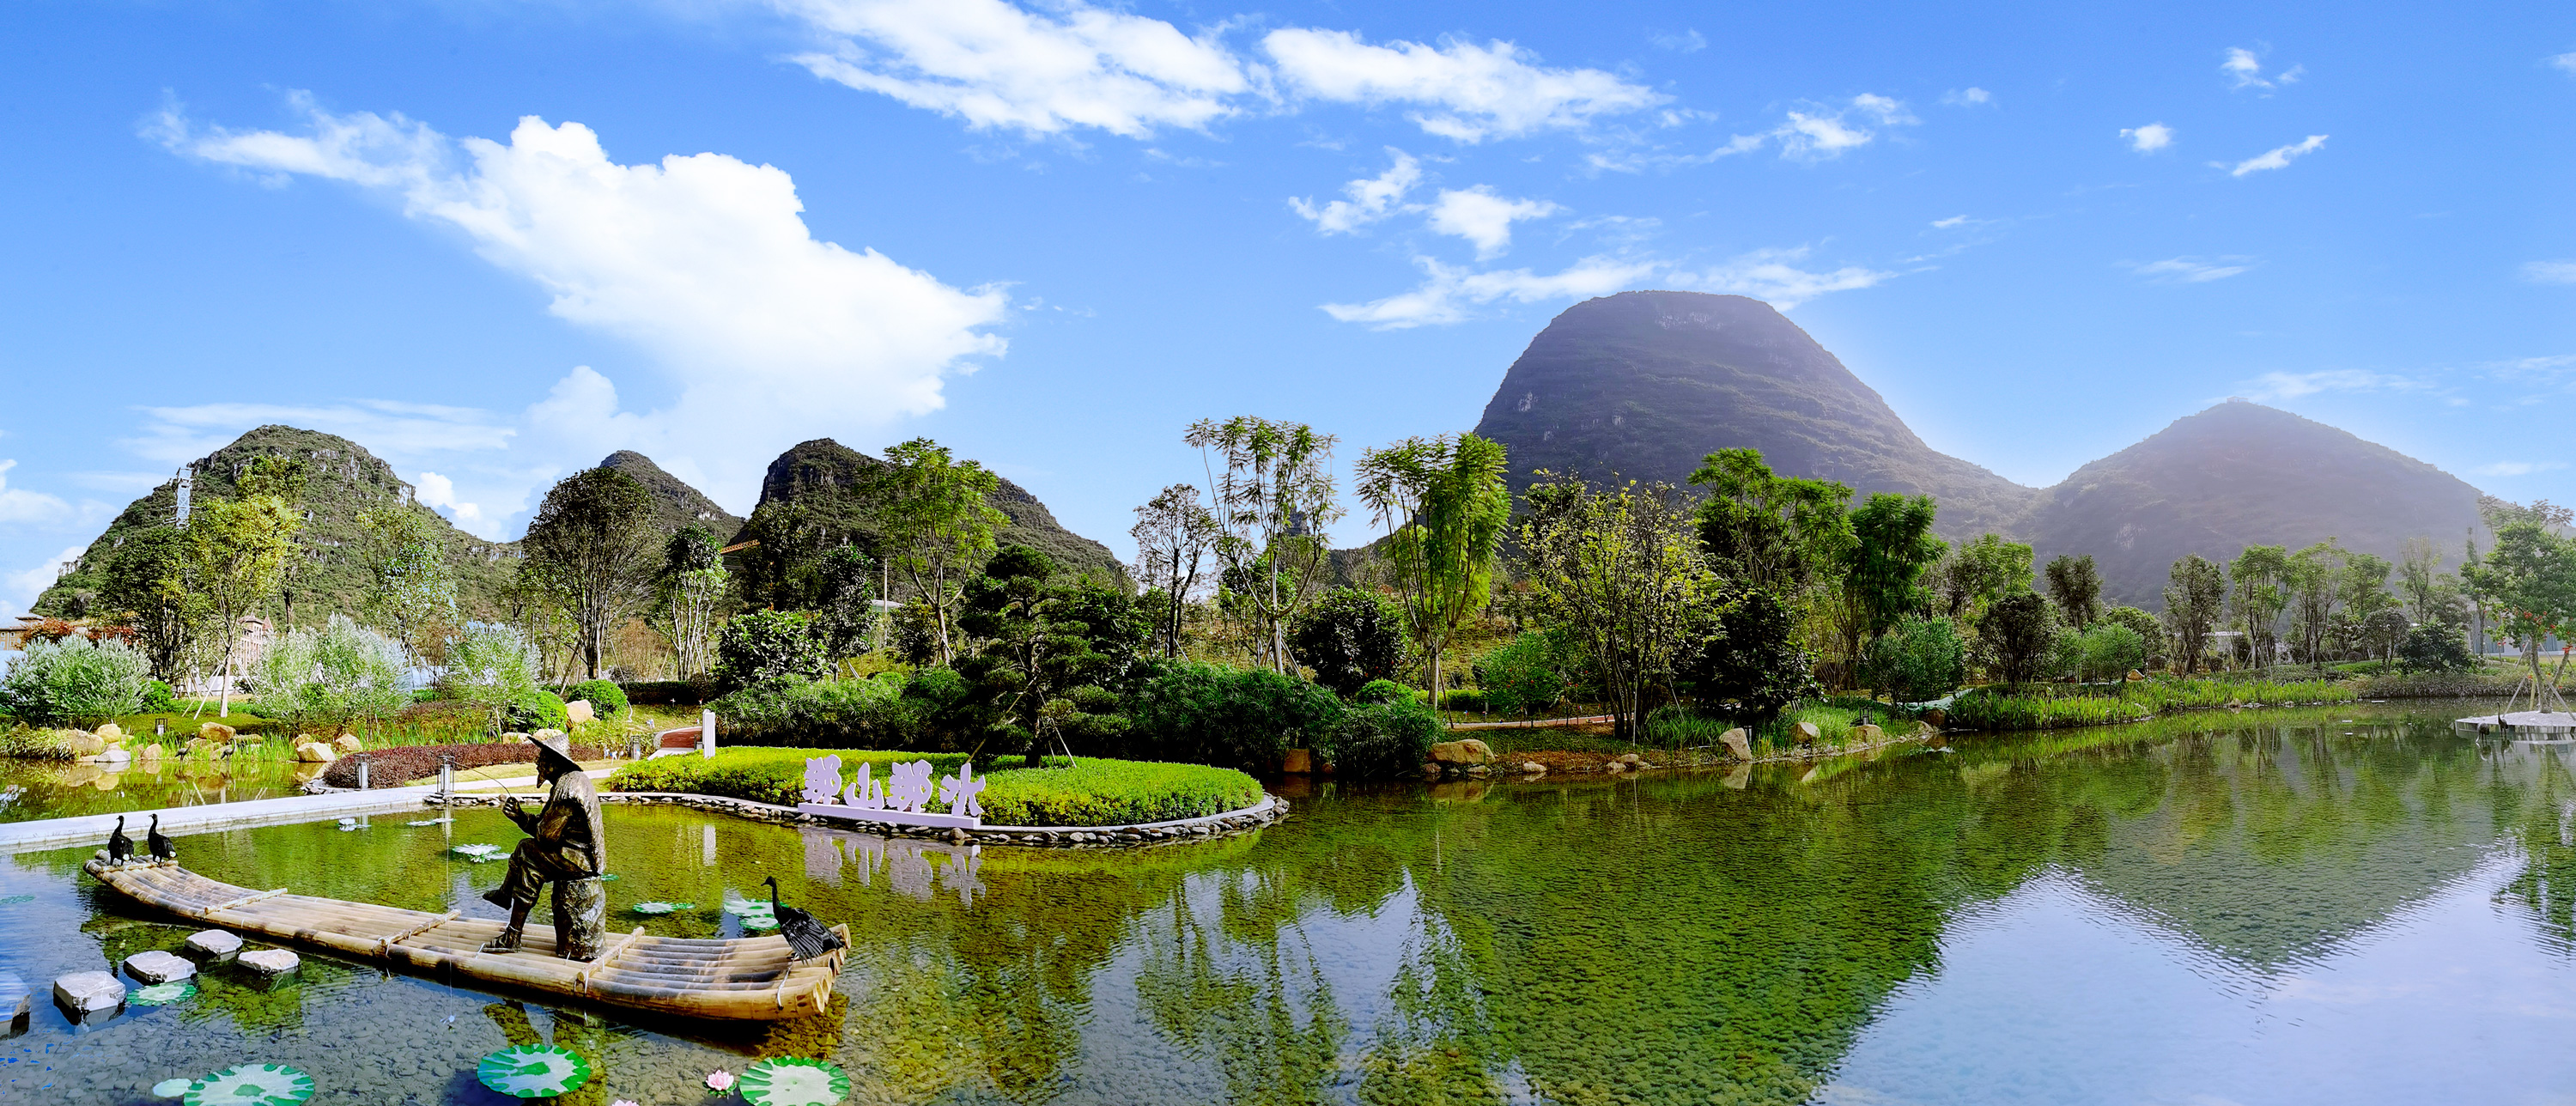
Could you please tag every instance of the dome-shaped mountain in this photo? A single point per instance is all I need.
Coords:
(830, 479)
(1641, 385)
(676, 505)
(2242, 474)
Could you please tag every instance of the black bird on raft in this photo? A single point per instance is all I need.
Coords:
(120, 848)
(161, 848)
(805, 937)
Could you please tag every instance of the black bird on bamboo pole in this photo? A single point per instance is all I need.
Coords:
(120, 848)
(806, 938)
(161, 847)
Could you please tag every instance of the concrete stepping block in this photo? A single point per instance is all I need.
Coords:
(89, 992)
(17, 1001)
(214, 944)
(158, 967)
(270, 962)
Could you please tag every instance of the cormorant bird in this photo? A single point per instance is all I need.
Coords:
(806, 938)
(161, 849)
(120, 848)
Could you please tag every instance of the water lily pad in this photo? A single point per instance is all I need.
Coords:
(533, 1071)
(172, 1088)
(663, 907)
(430, 822)
(608, 875)
(252, 1085)
(794, 1082)
(14, 900)
(163, 994)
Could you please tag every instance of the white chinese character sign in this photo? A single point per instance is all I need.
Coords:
(905, 797)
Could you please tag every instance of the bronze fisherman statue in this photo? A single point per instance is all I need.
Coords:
(564, 848)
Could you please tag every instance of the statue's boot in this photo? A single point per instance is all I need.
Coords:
(508, 941)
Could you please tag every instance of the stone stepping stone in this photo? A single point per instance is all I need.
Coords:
(270, 962)
(89, 992)
(158, 967)
(17, 1002)
(214, 944)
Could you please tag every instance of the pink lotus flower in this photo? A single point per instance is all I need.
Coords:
(719, 1081)
(625, 1102)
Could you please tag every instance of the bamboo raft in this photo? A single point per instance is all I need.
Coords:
(749, 978)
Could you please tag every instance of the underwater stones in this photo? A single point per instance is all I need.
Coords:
(158, 967)
(215, 732)
(1738, 743)
(89, 992)
(214, 944)
(271, 963)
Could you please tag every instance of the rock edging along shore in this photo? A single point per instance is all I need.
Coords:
(1270, 809)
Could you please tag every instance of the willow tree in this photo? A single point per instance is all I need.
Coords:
(933, 524)
(1445, 505)
(593, 542)
(1621, 571)
(1275, 498)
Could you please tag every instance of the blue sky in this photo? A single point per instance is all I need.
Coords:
(494, 242)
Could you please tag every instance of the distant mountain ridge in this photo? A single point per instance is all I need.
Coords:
(676, 505)
(829, 479)
(1641, 385)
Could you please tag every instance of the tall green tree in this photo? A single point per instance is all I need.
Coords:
(2256, 592)
(1043, 658)
(2019, 636)
(2076, 586)
(411, 585)
(2195, 599)
(1271, 485)
(146, 585)
(237, 548)
(1892, 546)
(1174, 534)
(1974, 575)
(934, 525)
(1445, 507)
(1620, 570)
(284, 479)
(845, 613)
(1769, 531)
(594, 540)
(2316, 582)
(686, 591)
(2529, 581)
(2420, 578)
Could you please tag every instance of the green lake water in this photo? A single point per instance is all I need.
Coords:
(50, 789)
(2276, 907)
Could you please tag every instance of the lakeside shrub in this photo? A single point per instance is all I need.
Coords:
(74, 680)
(2437, 685)
(606, 698)
(765, 645)
(1984, 710)
(536, 709)
(825, 714)
(1917, 660)
(1380, 740)
(763, 774)
(157, 698)
(1098, 791)
(1350, 638)
(30, 743)
(1529, 674)
(322, 680)
(2107, 651)
(2435, 649)
(1383, 691)
(1471, 699)
(1231, 718)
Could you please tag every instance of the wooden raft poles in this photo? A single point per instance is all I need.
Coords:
(750, 978)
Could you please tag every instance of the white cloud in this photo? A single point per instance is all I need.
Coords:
(1817, 133)
(1449, 294)
(1073, 65)
(705, 262)
(20, 507)
(1480, 216)
(177, 434)
(2280, 386)
(2191, 270)
(1687, 42)
(1953, 221)
(2549, 272)
(2564, 61)
(2148, 139)
(18, 590)
(2517, 468)
(1772, 275)
(1371, 198)
(2244, 69)
(2279, 156)
(439, 491)
(1460, 90)
(1967, 97)
(997, 65)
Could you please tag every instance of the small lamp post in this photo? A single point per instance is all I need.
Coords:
(362, 773)
(446, 774)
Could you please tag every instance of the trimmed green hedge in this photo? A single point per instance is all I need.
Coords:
(762, 775)
(1100, 792)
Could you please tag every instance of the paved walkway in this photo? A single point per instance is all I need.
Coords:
(54, 833)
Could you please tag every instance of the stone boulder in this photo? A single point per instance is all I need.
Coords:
(1533, 768)
(214, 944)
(16, 1002)
(111, 733)
(1298, 762)
(347, 743)
(1807, 733)
(215, 732)
(315, 752)
(2135, 675)
(1738, 742)
(81, 744)
(1469, 751)
(1615, 766)
(150, 753)
(114, 754)
(270, 962)
(578, 711)
(89, 992)
(540, 734)
(1868, 734)
(158, 967)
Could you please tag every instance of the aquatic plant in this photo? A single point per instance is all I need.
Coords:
(533, 1071)
(794, 1081)
(252, 1085)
